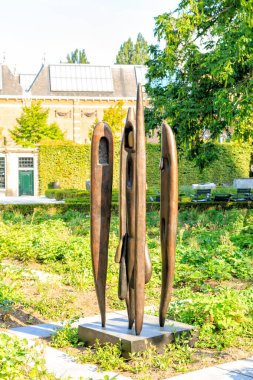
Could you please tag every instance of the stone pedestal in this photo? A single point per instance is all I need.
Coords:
(117, 330)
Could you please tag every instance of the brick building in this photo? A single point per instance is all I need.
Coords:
(75, 95)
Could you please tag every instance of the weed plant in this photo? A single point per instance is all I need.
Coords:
(20, 361)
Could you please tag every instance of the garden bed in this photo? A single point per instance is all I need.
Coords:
(212, 288)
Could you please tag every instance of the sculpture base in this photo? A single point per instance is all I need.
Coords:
(117, 330)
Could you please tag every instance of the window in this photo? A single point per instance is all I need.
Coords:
(77, 77)
(2, 173)
(25, 162)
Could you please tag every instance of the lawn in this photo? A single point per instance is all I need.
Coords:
(47, 276)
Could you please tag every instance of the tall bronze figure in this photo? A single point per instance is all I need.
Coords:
(101, 194)
(132, 252)
(168, 216)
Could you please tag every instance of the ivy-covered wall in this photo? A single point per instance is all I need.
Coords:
(69, 163)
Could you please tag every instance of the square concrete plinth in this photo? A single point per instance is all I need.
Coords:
(117, 329)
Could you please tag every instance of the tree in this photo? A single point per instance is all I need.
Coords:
(32, 126)
(124, 56)
(133, 54)
(77, 56)
(201, 82)
(140, 54)
(114, 116)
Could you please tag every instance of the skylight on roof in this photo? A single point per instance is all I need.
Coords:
(73, 77)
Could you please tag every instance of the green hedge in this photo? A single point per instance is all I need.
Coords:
(69, 163)
(233, 162)
(29, 209)
(83, 195)
(60, 194)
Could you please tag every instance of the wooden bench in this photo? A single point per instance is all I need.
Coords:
(242, 195)
(202, 195)
(221, 197)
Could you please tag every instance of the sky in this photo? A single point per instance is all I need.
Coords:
(32, 31)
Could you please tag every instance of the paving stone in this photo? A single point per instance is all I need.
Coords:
(28, 200)
(244, 367)
(57, 362)
(36, 331)
(63, 366)
(212, 373)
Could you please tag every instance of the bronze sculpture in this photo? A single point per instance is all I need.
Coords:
(132, 252)
(168, 216)
(101, 195)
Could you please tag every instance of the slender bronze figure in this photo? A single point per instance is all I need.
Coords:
(168, 216)
(140, 214)
(101, 194)
(132, 252)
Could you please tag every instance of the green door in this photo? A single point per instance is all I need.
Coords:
(26, 183)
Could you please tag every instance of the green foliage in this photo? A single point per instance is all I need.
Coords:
(77, 56)
(233, 161)
(52, 306)
(133, 54)
(8, 297)
(125, 53)
(32, 126)
(44, 242)
(70, 164)
(18, 360)
(66, 336)
(60, 194)
(222, 317)
(91, 128)
(176, 355)
(214, 268)
(115, 116)
(140, 54)
(67, 162)
(29, 209)
(5, 307)
(108, 356)
(202, 79)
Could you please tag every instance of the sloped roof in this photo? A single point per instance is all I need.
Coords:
(26, 80)
(88, 80)
(9, 84)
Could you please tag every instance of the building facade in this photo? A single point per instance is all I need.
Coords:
(75, 95)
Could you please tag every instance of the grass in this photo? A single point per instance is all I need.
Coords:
(212, 287)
